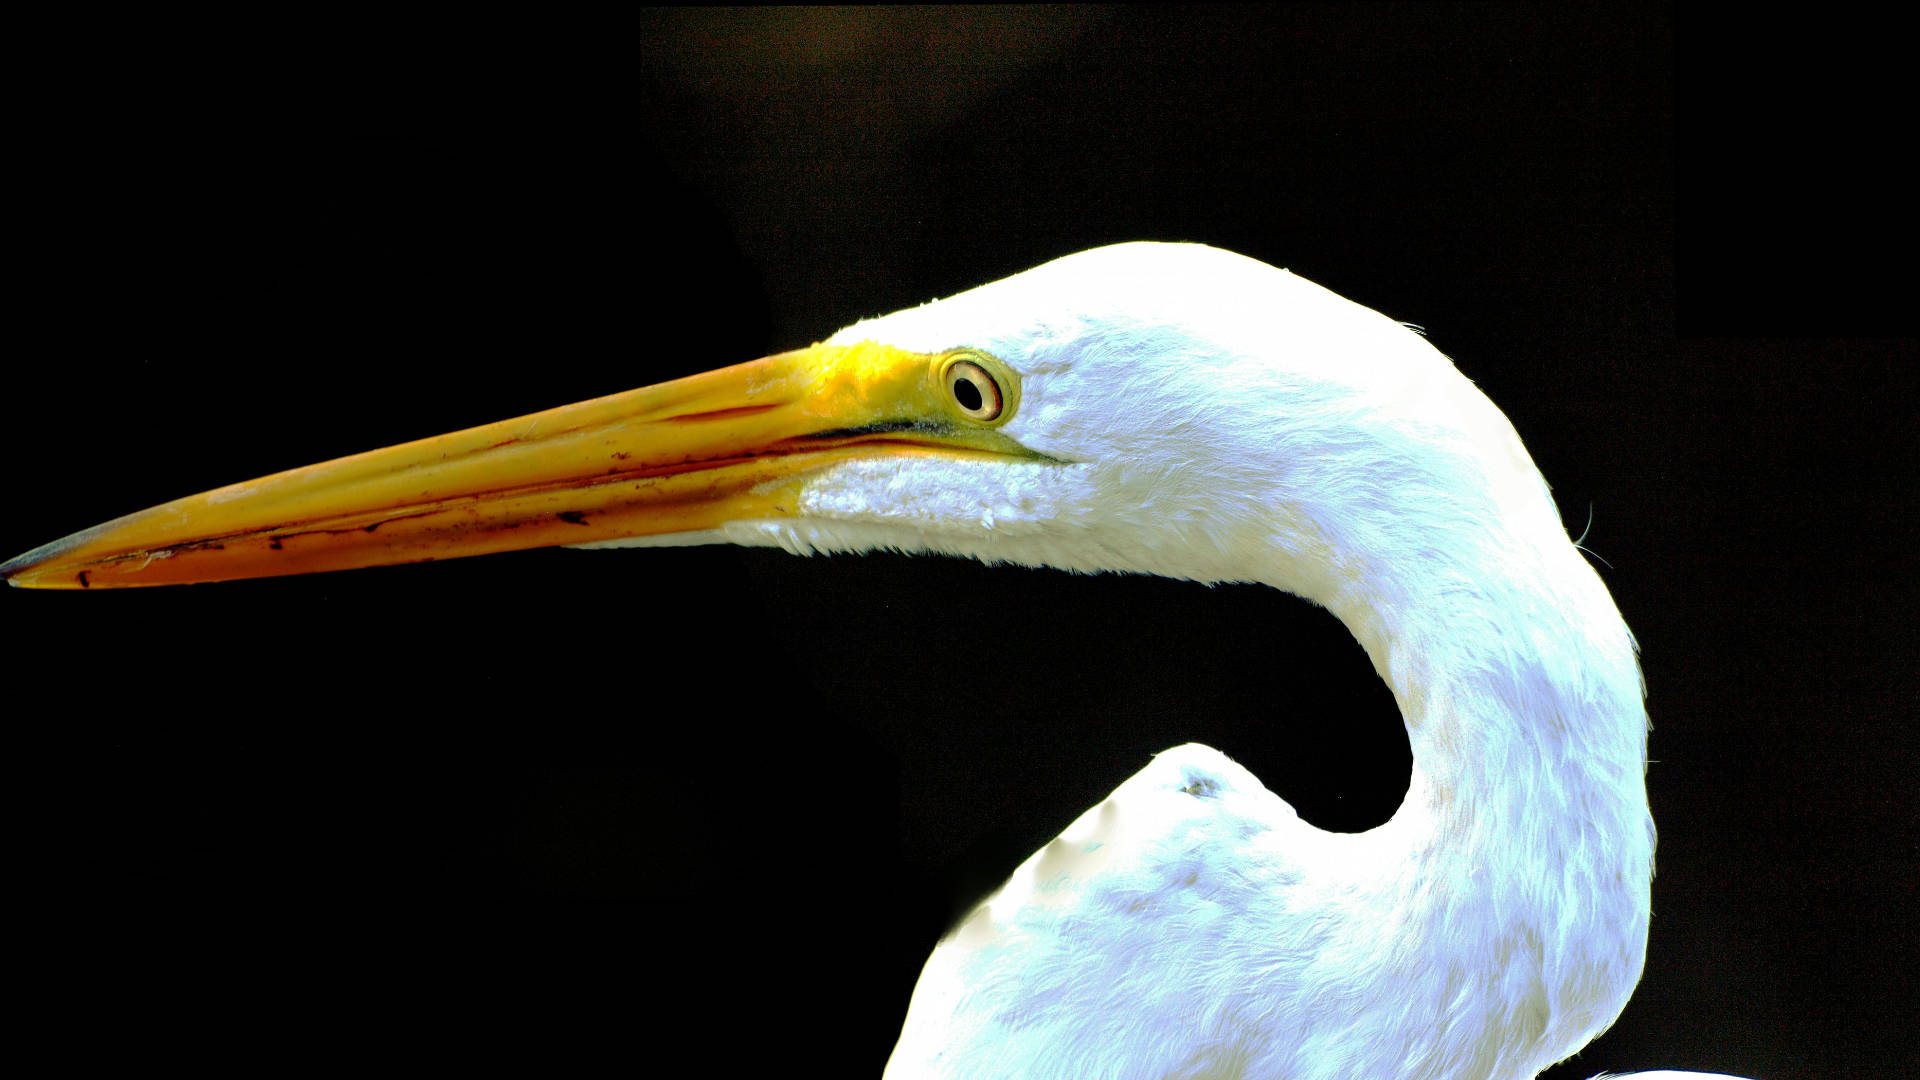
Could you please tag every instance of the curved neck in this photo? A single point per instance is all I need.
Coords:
(1524, 844)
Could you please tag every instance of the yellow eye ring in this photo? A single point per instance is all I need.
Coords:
(974, 391)
(976, 384)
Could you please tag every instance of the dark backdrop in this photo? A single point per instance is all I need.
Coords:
(705, 809)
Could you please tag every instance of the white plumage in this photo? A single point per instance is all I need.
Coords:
(1215, 418)
(1168, 409)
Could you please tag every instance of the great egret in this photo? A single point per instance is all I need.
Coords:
(1167, 409)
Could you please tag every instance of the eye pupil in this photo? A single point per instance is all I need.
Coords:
(967, 394)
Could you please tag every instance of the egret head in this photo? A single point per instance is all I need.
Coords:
(1163, 408)
(1190, 413)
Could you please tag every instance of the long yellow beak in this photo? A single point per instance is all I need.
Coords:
(688, 455)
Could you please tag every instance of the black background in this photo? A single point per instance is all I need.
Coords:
(708, 809)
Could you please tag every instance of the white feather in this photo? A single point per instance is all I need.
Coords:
(1223, 420)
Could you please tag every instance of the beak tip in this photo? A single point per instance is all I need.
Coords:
(15, 565)
(19, 571)
(13, 572)
(49, 565)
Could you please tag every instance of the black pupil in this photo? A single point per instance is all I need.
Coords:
(967, 394)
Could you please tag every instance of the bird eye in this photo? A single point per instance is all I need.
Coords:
(973, 390)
